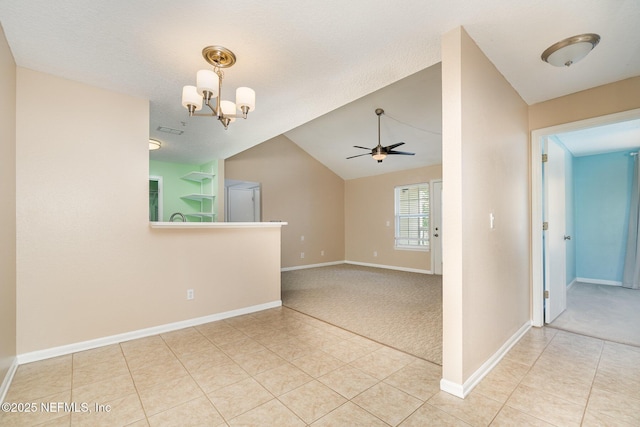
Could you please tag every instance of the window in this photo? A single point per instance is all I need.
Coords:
(412, 217)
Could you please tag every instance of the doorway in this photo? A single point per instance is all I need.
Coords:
(155, 199)
(541, 264)
(242, 201)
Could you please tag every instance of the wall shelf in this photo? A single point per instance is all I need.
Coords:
(198, 176)
(198, 197)
(202, 215)
(205, 197)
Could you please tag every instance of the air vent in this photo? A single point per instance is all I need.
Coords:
(170, 130)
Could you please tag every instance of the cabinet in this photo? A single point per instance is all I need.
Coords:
(205, 198)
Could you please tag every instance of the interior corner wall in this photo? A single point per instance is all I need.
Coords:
(8, 211)
(486, 295)
(298, 189)
(370, 219)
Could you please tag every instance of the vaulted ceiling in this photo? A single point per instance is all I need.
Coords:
(314, 60)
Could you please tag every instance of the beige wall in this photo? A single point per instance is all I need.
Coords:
(8, 210)
(298, 189)
(88, 264)
(599, 101)
(485, 170)
(369, 206)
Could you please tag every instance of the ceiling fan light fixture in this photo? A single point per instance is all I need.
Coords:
(154, 144)
(570, 50)
(379, 156)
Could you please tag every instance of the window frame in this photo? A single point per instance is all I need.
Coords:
(424, 233)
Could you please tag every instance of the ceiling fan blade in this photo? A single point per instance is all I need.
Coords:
(404, 153)
(366, 154)
(364, 148)
(391, 147)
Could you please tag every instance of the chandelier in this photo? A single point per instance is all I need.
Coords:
(209, 86)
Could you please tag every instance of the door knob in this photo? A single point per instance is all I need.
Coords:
(567, 237)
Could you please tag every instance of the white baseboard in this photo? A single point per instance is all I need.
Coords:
(462, 390)
(34, 356)
(598, 281)
(452, 388)
(364, 264)
(302, 267)
(389, 267)
(6, 382)
(573, 282)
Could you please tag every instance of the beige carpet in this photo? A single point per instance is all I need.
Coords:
(607, 312)
(400, 309)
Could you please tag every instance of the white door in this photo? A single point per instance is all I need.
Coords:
(241, 205)
(555, 277)
(436, 224)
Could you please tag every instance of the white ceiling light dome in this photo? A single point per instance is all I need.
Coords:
(571, 50)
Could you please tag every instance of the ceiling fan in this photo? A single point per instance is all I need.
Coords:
(379, 152)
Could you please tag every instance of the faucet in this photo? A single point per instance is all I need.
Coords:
(177, 214)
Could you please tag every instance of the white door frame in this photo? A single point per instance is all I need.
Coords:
(436, 250)
(537, 136)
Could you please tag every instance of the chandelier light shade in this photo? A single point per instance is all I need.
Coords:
(571, 50)
(191, 99)
(209, 87)
(245, 100)
(154, 144)
(207, 82)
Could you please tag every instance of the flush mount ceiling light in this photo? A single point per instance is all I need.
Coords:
(154, 144)
(209, 86)
(571, 50)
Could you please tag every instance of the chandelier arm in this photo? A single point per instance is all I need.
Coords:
(203, 115)
(212, 108)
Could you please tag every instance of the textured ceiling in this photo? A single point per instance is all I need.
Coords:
(306, 58)
(418, 123)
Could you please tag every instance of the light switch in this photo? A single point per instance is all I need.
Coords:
(492, 221)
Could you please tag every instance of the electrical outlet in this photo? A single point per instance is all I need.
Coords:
(189, 293)
(302, 238)
(321, 253)
(375, 253)
(301, 254)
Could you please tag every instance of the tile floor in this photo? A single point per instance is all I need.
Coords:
(281, 368)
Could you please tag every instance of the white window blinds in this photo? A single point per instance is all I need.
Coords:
(412, 216)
